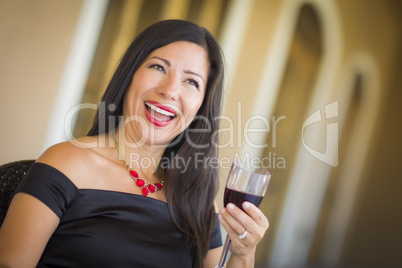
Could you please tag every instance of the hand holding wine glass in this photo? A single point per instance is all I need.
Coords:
(244, 223)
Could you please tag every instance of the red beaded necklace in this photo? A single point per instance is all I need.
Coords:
(146, 188)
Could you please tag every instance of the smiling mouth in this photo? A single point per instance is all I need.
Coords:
(158, 113)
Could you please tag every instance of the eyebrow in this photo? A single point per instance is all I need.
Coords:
(185, 71)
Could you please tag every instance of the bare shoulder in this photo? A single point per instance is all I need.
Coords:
(73, 158)
(68, 153)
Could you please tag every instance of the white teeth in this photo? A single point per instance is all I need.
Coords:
(159, 110)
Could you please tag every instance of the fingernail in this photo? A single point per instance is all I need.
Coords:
(230, 206)
(222, 210)
(246, 205)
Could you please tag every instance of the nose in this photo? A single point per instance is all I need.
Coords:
(169, 88)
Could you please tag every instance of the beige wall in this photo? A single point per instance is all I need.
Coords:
(35, 39)
(372, 238)
(246, 78)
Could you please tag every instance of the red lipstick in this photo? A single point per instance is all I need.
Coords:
(158, 114)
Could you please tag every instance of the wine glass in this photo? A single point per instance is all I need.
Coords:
(245, 182)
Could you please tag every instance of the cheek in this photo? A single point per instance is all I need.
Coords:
(193, 107)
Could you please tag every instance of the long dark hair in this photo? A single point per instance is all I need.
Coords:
(193, 189)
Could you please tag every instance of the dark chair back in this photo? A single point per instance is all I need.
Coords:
(11, 175)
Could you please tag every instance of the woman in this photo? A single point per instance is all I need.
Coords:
(130, 194)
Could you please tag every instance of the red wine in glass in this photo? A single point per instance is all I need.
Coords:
(237, 198)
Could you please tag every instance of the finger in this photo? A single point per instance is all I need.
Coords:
(237, 245)
(256, 214)
(232, 226)
(241, 218)
(226, 225)
(248, 219)
(229, 230)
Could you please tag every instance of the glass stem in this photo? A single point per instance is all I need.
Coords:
(224, 254)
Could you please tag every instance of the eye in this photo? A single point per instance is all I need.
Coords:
(157, 67)
(193, 83)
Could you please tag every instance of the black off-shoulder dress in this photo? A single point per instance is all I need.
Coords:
(100, 228)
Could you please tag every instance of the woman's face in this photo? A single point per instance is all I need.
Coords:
(166, 92)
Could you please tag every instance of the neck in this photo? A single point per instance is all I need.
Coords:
(143, 158)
